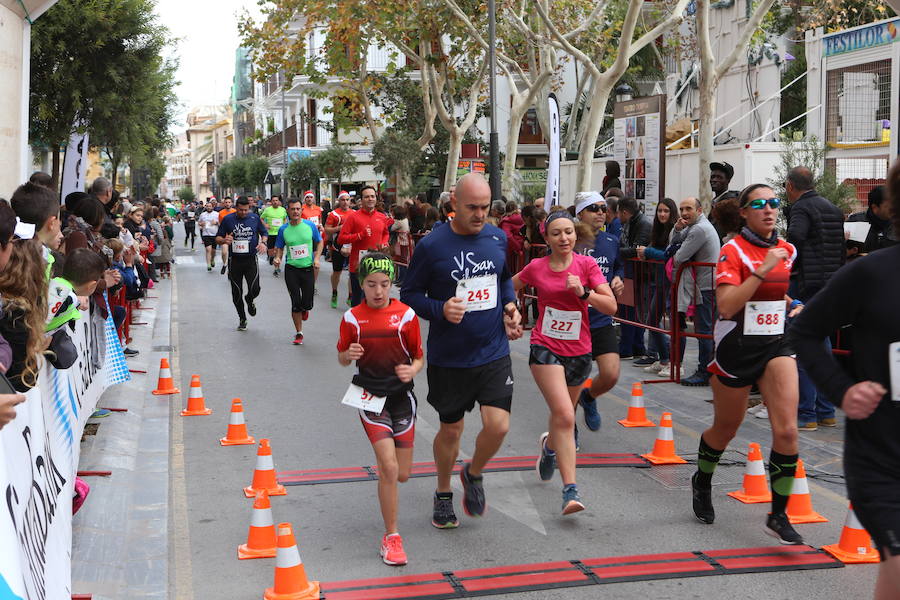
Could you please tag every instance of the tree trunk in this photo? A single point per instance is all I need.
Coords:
(54, 153)
(115, 171)
(707, 107)
(516, 112)
(600, 96)
(452, 157)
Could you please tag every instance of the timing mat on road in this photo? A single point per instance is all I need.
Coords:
(574, 573)
(427, 469)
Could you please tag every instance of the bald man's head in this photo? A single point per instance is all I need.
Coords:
(471, 202)
(799, 181)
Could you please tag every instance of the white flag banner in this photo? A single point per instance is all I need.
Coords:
(75, 164)
(551, 193)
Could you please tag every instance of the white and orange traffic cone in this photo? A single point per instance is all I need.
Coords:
(663, 452)
(165, 385)
(855, 545)
(799, 506)
(264, 474)
(637, 414)
(196, 404)
(291, 582)
(237, 429)
(756, 484)
(261, 535)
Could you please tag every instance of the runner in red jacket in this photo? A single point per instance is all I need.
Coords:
(366, 230)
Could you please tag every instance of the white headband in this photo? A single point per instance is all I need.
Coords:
(585, 199)
(24, 231)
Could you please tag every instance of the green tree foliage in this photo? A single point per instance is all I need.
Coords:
(304, 173)
(396, 154)
(186, 193)
(811, 154)
(337, 163)
(255, 169)
(96, 65)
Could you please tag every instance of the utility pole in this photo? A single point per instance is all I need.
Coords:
(492, 78)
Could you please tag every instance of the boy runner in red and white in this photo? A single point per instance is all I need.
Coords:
(333, 225)
(382, 335)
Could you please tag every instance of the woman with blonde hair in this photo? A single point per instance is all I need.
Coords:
(23, 289)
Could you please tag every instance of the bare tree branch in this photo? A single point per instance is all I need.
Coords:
(741, 45)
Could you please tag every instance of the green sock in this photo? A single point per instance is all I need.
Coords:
(707, 459)
(781, 474)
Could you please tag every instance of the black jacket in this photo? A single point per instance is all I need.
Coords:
(881, 234)
(816, 228)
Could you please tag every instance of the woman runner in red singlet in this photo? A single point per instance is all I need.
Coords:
(750, 347)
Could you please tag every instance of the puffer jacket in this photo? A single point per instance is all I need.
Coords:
(816, 228)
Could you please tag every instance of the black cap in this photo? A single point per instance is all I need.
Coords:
(724, 167)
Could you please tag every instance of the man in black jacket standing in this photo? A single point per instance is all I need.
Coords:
(635, 232)
(878, 216)
(816, 229)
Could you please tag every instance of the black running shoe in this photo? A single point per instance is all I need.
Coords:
(444, 517)
(779, 527)
(251, 308)
(473, 493)
(546, 462)
(242, 326)
(129, 352)
(223, 269)
(702, 501)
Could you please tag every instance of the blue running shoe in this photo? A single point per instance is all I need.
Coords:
(546, 462)
(571, 500)
(591, 414)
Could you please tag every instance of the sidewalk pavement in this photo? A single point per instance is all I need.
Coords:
(120, 546)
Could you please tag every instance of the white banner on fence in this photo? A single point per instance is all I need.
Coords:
(74, 166)
(39, 453)
(551, 192)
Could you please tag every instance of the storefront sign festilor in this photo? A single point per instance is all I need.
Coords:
(872, 36)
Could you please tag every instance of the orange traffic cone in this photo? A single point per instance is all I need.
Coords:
(264, 474)
(663, 452)
(855, 545)
(290, 574)
(165, 385)
(237, 429)
(637, 414)
(756, 485)
(799, 506)
(196, 404)
(261, 536)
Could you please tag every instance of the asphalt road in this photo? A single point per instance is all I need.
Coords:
(291, 395)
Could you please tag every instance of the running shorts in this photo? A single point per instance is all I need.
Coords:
(454, 391)
(396, 420)
(740, 360)
(603, 341)
(871, 456)
(270, 242)
(301, 283)
(208, 240)
(338, 261)
(577, 368)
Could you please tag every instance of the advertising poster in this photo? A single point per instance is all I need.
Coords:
(638, 130)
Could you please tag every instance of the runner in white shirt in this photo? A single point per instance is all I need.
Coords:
(209, 224)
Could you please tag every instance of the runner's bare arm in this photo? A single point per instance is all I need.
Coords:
(406, 372)
(731, 298)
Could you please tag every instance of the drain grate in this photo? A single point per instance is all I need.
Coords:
(163, 348)
(730, 472)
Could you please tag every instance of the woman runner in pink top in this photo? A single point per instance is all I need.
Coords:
(560, 356)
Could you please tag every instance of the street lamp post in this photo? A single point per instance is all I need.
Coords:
(492, 78)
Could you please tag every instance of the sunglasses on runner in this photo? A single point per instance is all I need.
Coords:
(760, 203)
(595, 208)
